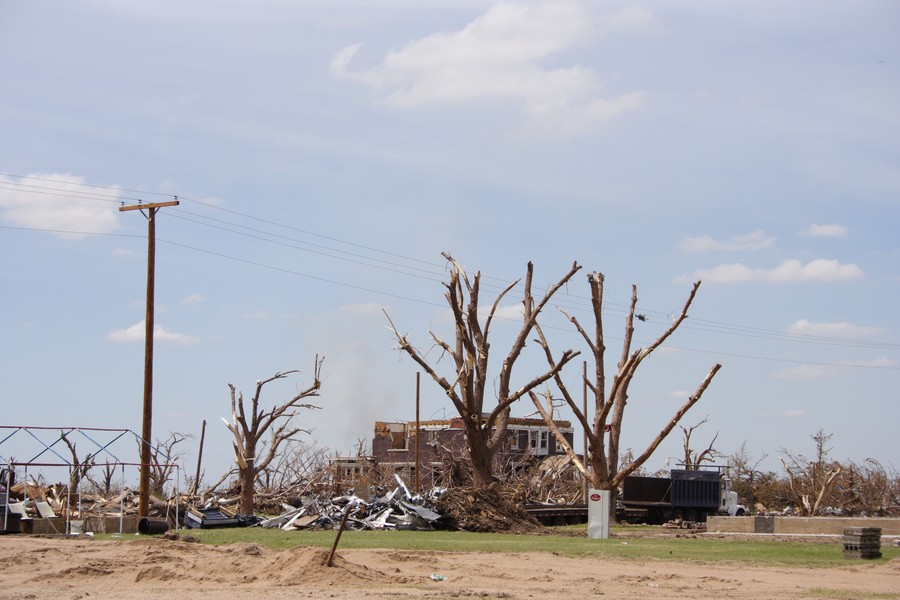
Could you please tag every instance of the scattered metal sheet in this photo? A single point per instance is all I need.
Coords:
(44, 510)
(397, 509)
(210, 518)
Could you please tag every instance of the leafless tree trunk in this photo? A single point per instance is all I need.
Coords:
(294, 469)
(104, 485)
(601, 466)
(805, 495)
(810, 480)
(163, 460)
(746, 475)
(693, 459)
(470, 351)
(869, 488)
(80, 467)
(249, 429)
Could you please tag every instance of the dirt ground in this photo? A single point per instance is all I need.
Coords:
(82, 569)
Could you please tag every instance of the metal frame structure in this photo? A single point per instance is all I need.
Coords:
(88, 433)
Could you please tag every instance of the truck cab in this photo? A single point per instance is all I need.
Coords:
(728, 500)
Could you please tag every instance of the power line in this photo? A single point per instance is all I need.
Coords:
(440, 305)
(285, 243)
(72, 232)
(300, 274)
(566, 300)
(76, 195)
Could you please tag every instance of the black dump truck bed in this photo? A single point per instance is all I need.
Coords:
(654, 490)
(695, 489)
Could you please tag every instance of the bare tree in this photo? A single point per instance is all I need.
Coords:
(603, 429)
(294, 470)
(747, 476)
(250, 429)
(470, 351)
(163, 461)
(80, 467)
(693, 459)
(868, 488)
(810, 480)
(103, 484)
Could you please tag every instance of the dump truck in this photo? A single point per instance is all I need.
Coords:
(688, 495)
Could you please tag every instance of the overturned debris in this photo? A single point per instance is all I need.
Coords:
(495, 508)
(399, 509)
(216, 517)
(492, 509)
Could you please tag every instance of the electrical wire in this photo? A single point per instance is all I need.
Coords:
(433, 273)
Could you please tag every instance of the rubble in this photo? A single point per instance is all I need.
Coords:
(496, 508)
(399, 509)
(216, 517)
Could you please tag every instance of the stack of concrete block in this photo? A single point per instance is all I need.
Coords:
(862, 542)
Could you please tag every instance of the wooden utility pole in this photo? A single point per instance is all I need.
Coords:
(199, 459)
(584, 459)
(147, 429)
(418, 431)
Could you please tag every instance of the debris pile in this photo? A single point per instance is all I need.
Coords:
(216, 517)
(398, 509)
(45, 501)
(495, 509)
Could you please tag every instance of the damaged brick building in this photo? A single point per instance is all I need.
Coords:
(394, 446)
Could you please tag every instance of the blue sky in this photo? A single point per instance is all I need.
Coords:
(326, 153)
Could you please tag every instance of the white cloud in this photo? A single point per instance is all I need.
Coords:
(791, 412)
(807, 372)
(790, 271)
(512, 312)
(810, 372)
(842, 329)
(755, 240)
(826, 231)
(135, 333)
(873, 363)
(193, 299)
(56, 201)
(497, 56)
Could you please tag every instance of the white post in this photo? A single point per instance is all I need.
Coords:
(598, 514)
(177, 475)
(122, 503)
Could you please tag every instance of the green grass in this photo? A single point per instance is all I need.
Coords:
(701, 548)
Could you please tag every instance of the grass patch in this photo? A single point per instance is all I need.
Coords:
(760, 551)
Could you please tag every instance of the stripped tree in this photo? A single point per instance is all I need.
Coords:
(250, 429)
(164, 460)
(693, 460)
(811, 480)
(485, 422)
(79, 467)
(603, 429)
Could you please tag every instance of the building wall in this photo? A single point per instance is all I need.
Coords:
(394, 444)
(800, 525)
